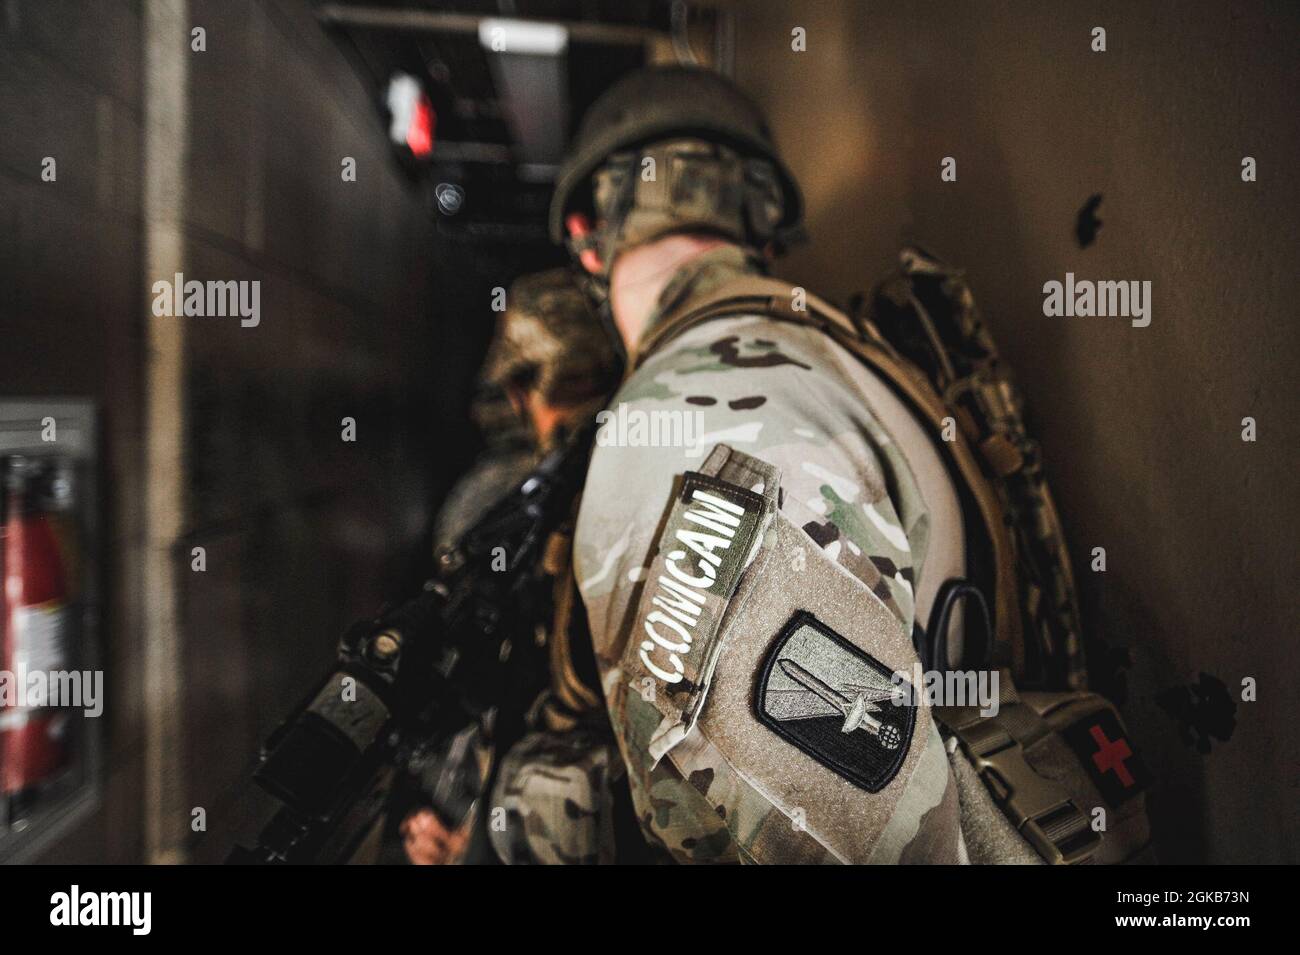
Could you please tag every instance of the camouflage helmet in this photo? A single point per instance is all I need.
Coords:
(685, 117)
(545, 342)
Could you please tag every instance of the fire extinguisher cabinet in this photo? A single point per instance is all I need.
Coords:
(53, 694)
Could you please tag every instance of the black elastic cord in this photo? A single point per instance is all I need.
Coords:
(951, 592)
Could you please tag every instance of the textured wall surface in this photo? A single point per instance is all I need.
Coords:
(302, 531)
(1141, 426)
(71, 314)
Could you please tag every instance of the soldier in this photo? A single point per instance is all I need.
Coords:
(750, 591)
(774, 513)
(772, 540)
(545, 372)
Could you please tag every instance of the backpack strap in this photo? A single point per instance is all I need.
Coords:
(761, 295)
(746, 295)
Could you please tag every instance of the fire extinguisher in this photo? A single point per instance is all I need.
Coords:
(37, 637)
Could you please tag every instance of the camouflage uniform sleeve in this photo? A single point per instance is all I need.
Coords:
(554, 793)
(845, 544)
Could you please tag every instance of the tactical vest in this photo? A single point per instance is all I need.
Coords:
(1051, 759)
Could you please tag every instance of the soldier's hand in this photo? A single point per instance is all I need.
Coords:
(428, 842)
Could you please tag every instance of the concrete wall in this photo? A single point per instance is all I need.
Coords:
(70, 311)
(1141, 426)
(302, 531)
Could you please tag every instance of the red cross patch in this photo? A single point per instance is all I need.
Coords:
(1105, 751)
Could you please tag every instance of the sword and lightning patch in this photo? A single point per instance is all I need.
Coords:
(835, 702)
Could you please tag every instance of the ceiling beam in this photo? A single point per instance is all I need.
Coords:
(433, 21)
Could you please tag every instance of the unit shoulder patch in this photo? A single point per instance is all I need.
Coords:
(700, 556)
(835, 702)
(712, 533)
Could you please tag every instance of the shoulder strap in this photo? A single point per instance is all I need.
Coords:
(746, 295)
(760, 295)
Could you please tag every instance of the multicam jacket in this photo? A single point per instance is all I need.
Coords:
(749, 550)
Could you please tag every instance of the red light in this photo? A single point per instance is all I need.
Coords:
(419, 136)
(579, 227)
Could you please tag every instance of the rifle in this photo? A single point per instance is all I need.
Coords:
(414, 675)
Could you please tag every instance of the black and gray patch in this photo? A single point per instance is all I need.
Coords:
(835, 702)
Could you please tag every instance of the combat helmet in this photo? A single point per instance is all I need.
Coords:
(716, 168)
(544, 342)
